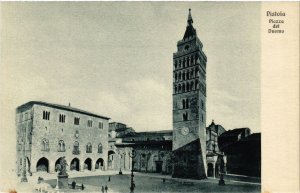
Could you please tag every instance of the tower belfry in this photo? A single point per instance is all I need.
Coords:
(189, 106)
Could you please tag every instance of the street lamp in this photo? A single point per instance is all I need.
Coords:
(24, 178)
(132, 186)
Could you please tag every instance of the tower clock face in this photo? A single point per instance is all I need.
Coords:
(185, 130)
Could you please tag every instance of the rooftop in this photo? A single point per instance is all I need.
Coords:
(62, 107)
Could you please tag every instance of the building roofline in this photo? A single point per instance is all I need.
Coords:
(62, 107)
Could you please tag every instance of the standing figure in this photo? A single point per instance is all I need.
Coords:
(102, 189)
(106, 188)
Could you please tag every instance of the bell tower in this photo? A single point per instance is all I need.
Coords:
(189, 106)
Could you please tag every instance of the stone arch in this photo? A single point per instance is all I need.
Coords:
(88, 164)
(210, 170)
(183, 87)
(75, 164)
(99, 164)
(56, 163)
(111, 160)
(42, 165)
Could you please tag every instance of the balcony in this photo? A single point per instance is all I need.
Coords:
(76, 152)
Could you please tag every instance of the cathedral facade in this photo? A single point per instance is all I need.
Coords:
(189, 106)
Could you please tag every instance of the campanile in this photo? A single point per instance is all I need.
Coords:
(189, 106)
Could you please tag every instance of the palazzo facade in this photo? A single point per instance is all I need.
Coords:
(46, 132)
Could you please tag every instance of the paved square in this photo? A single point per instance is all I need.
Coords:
(148, 183)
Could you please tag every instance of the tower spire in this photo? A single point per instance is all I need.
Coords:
(190, 19)
(190, 31)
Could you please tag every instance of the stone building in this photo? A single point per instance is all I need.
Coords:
(118, 151)
(153, 151)
(243, 151)
(46, 132)
(213, 131)
(189, 106)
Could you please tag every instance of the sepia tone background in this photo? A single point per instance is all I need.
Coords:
(140, 68)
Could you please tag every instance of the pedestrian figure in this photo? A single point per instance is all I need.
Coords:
(102, 189)
(106, 188)
(109, 178)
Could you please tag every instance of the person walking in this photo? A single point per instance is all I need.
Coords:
(106, 188)
(102, 189)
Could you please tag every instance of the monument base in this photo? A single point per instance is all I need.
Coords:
(62, 182)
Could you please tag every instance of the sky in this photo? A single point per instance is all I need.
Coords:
(115, 59)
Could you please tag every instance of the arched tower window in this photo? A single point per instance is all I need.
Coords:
(187, 75)
(179, 88)
(187, 87)
(187, 103)
(192, 85)
(196, 71)
(179, 76)
(175, 65)
(187, 61)
(185, 116)
(176, 77)
(192, 73)
(183, 75)
(183, 87)
(183, 103)
(196, 84)
(175, 88)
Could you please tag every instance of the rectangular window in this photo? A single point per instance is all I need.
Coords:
(62, 118)
(90, 123)
(46, 115)
(100, 125)
(76, 120)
